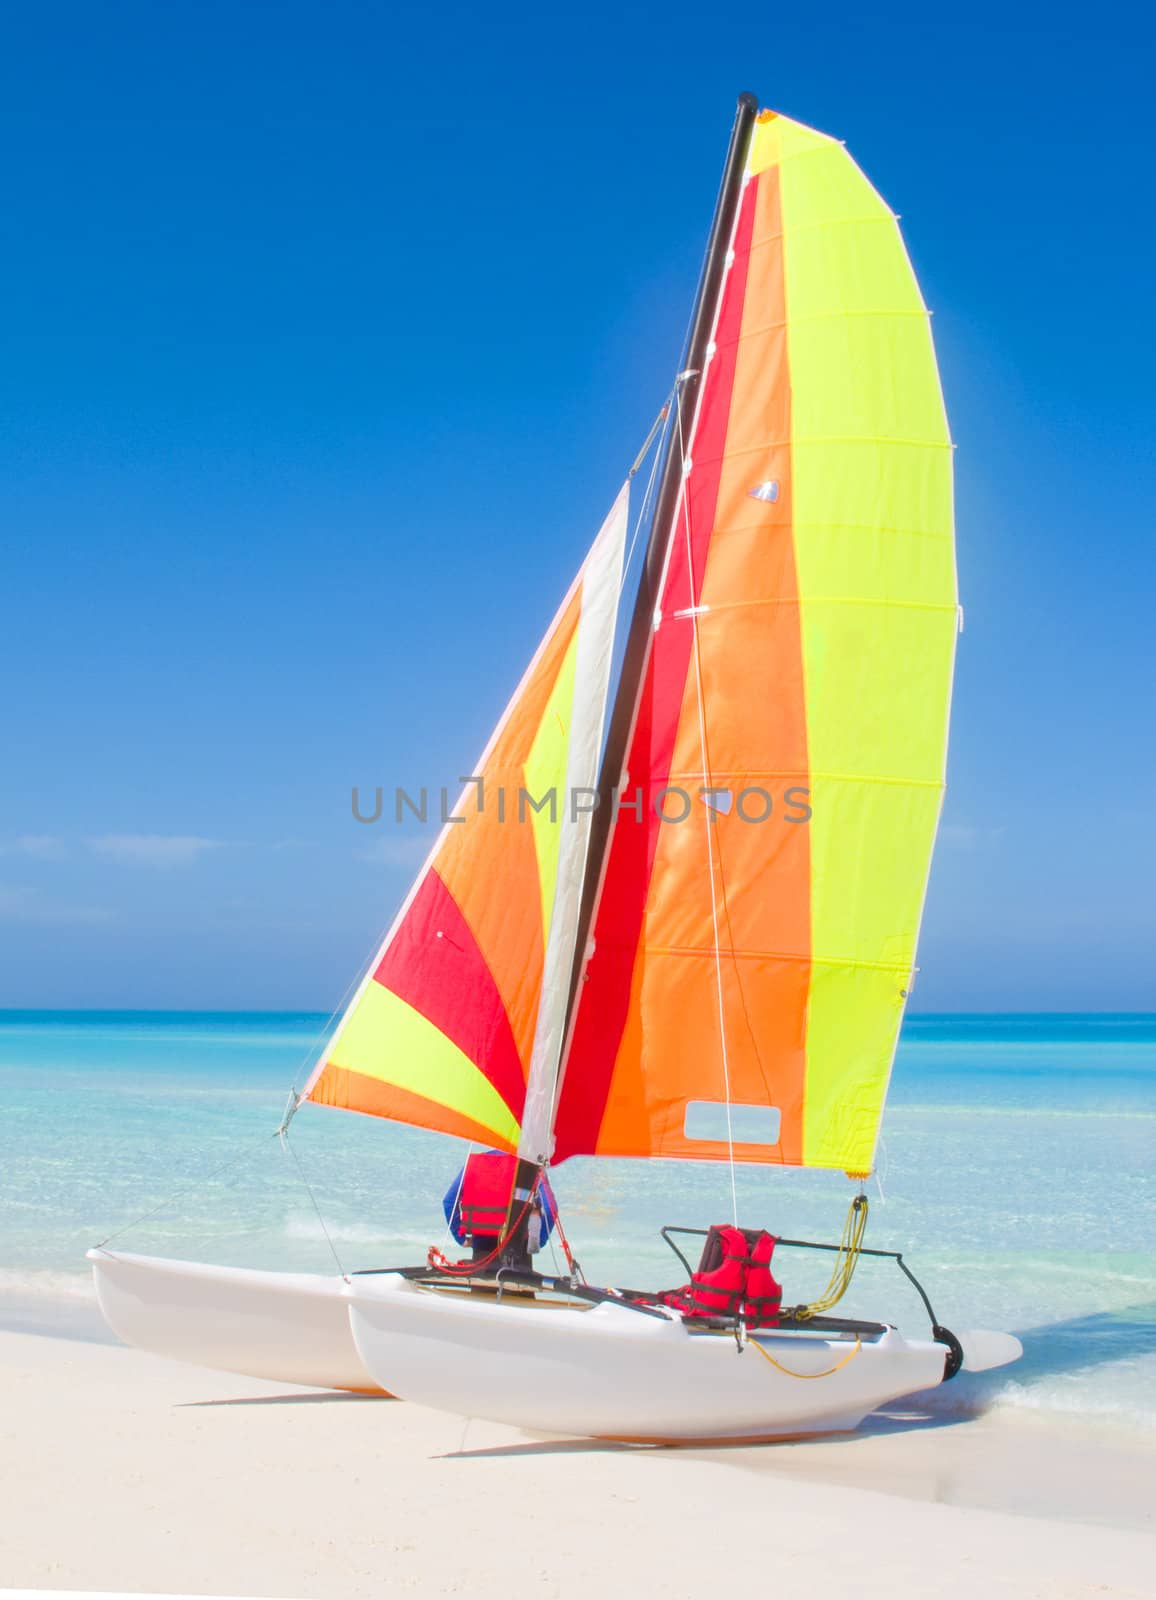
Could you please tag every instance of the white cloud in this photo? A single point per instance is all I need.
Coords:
(24, 905)
(960, 834)
(966, 836)
(153, 849)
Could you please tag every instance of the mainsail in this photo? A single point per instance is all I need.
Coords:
(755, 949)
(442, 1031)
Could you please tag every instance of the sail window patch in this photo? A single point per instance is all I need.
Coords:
(720, 800)
(768, 491)
(707, 1120)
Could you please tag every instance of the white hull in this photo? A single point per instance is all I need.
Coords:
(611, 1372)
(289, 1327)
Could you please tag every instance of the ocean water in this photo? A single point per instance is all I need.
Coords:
(1015, 1172)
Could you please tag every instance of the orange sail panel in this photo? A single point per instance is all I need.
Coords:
(442, 1031)
(754, 935)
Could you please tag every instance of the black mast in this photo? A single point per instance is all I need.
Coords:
(513, 1251)
(662, 524)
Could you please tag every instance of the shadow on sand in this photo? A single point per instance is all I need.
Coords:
(1055, 1349)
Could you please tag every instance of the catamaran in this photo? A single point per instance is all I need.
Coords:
(674, 915)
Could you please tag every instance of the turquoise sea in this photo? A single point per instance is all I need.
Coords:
(1016, 1172)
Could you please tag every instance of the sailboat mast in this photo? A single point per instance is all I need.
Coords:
(529, 1164)
(662, 524)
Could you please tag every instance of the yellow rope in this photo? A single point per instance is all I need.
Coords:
(838, 1367)
(845, 1262)
(850, 1244)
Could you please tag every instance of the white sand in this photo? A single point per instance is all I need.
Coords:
(119, 1471)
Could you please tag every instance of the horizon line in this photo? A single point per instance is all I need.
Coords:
(305, 1011)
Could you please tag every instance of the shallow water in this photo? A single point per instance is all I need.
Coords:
(1016, 1172)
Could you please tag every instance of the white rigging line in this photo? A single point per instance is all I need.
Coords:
(320, 1217)
(218, 1171)
(662, 421)
(881, 1177)
(718, 971)
(449, 1234)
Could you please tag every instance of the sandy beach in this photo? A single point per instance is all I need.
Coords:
(121, 1471)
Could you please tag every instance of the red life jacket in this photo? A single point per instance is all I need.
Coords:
(764, 1295)
(484, 1196)
(733, 1279)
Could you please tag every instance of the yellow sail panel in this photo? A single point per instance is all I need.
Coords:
(758, 951)
(392, 1042)
(871, 482)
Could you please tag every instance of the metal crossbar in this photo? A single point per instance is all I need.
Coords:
(508, 1277)
(814, 1244)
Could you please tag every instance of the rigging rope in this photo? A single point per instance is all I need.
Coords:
(658, 421)
(826, 1373)
(850, 1244)
(449, 1228)
(285, 1145)
(189, 1188)
(663, 421)
(440, 1262)
(575, 1269)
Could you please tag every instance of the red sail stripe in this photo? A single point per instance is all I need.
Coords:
(618, 923)
(434, 964)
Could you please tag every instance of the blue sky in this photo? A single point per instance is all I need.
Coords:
(329, 332)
